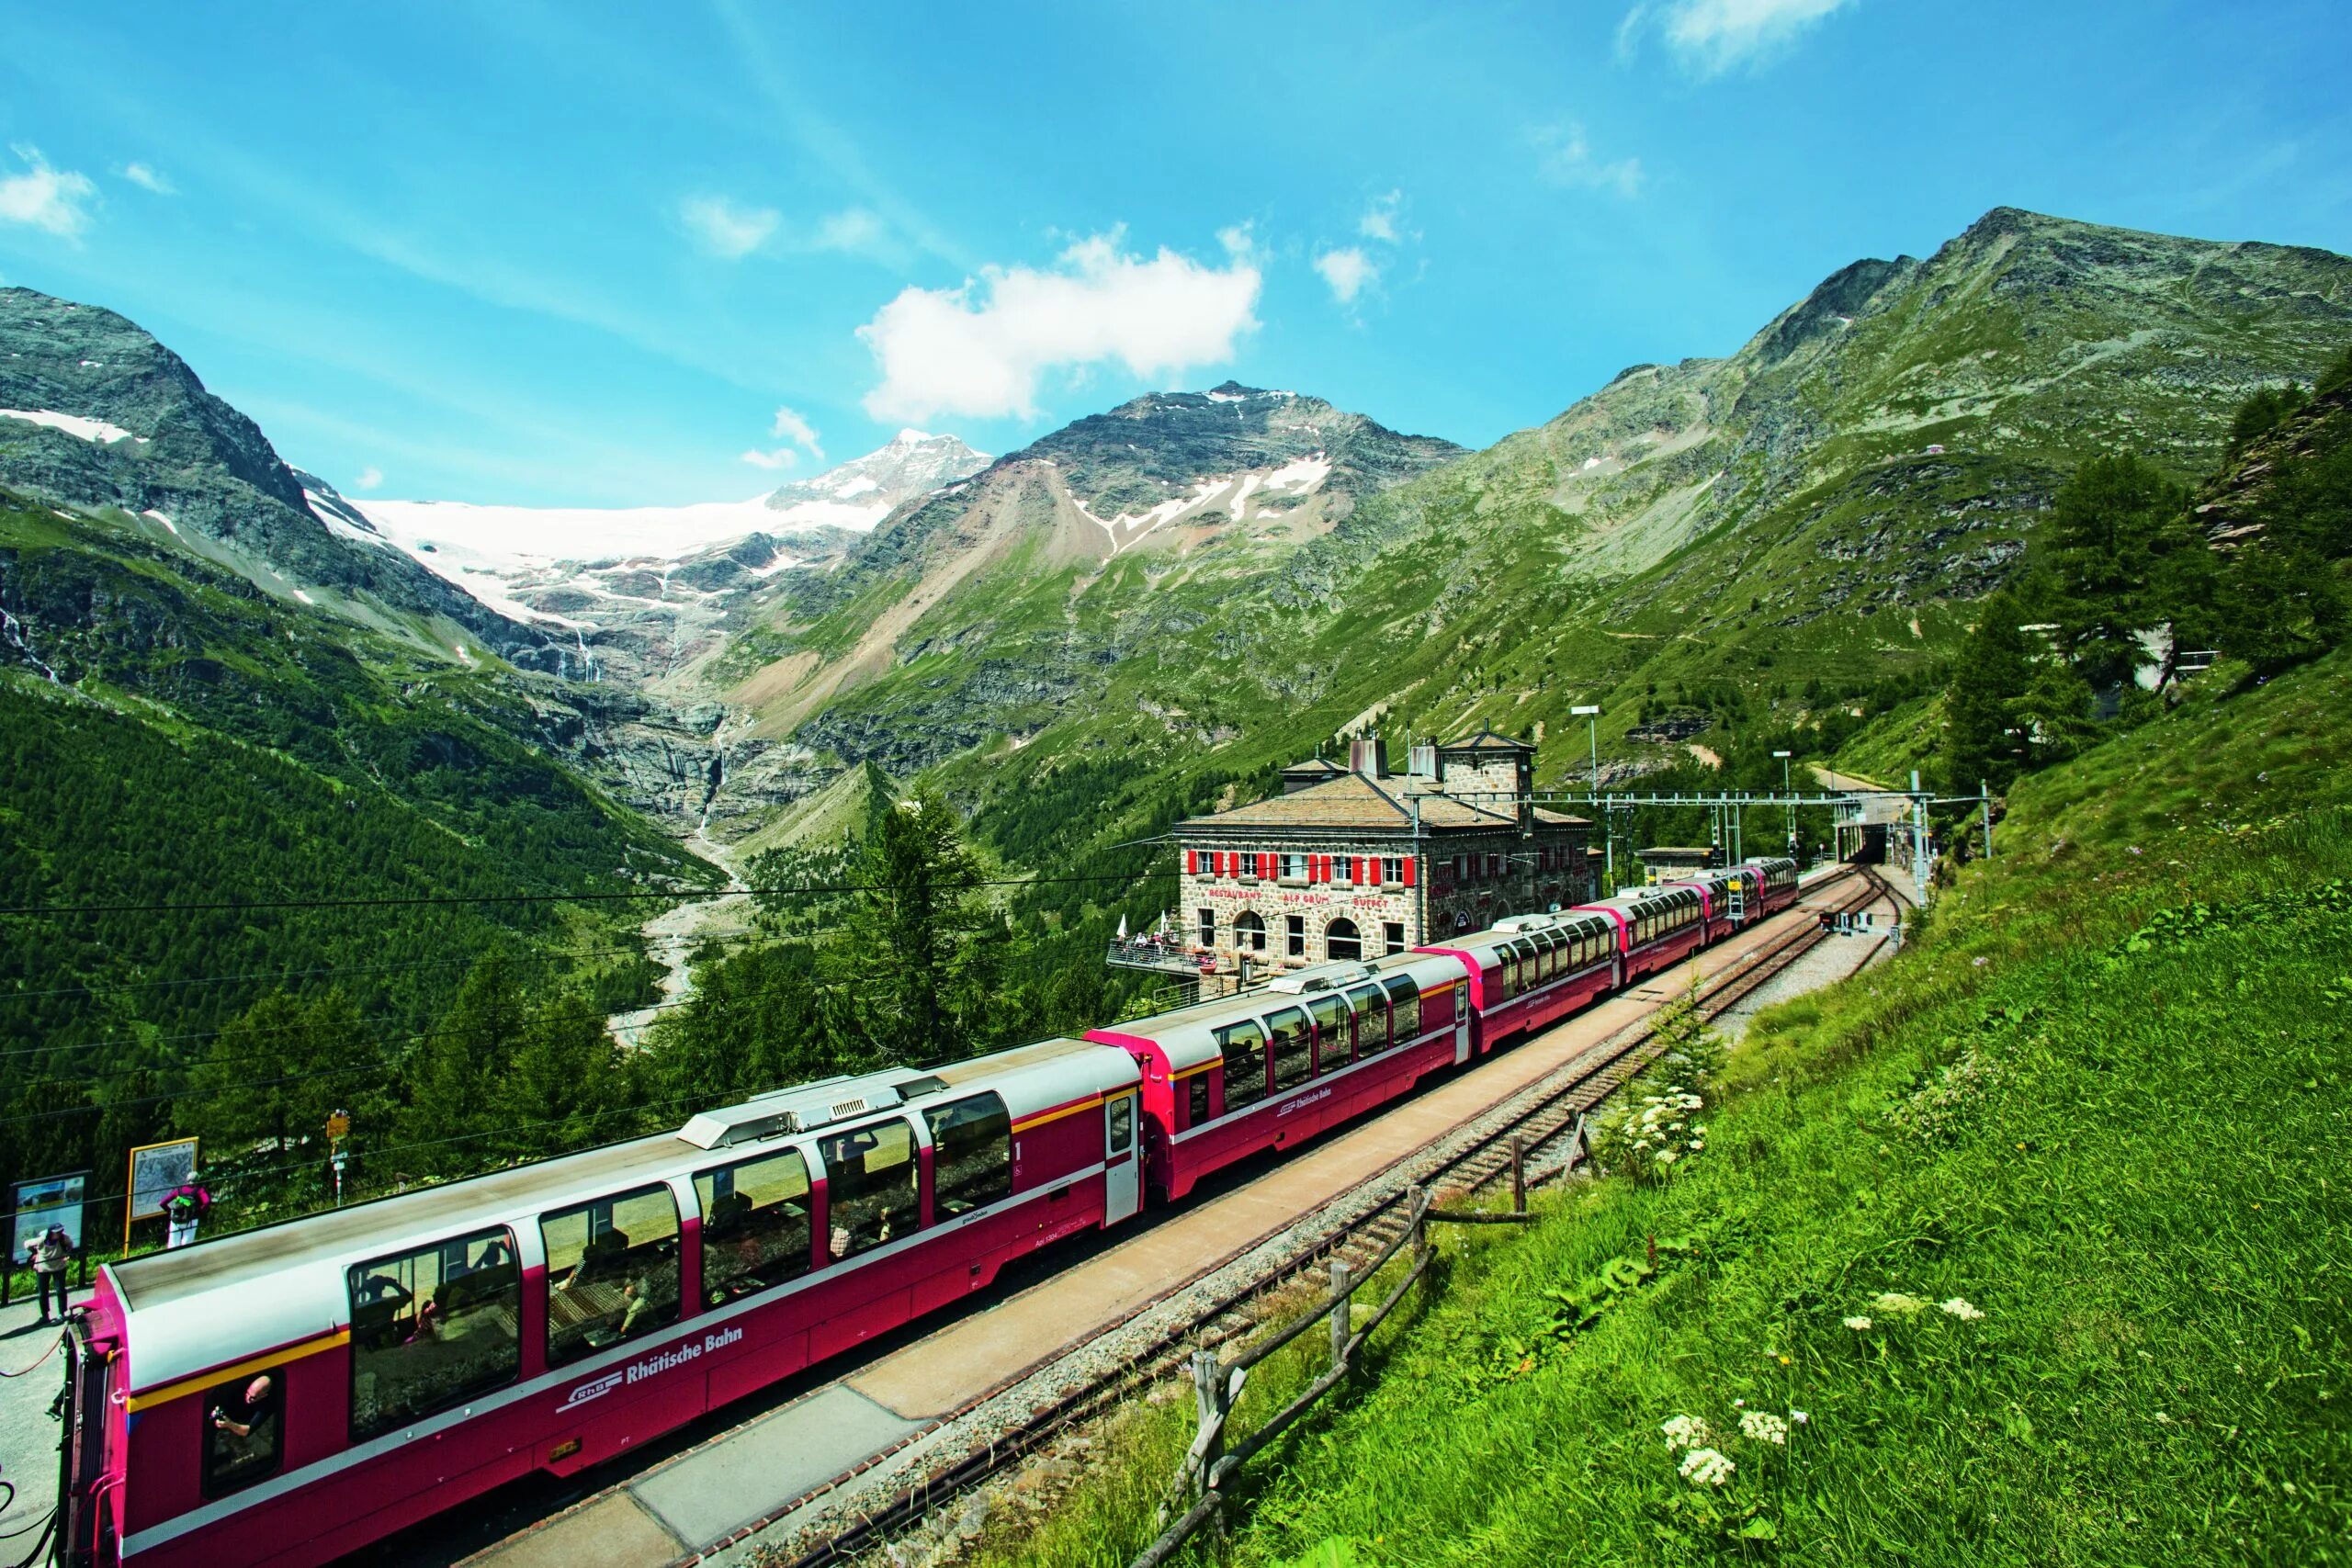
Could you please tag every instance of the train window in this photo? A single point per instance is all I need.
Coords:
(870, 1178)
(1196, 1100)
(612, 1272)
(1294, 1047)
(1244, 1045)
(432, 1328)
(1498, 978)
(754, 1224)
(1372, 1020)
(1330, 1030)
(971, 1155)
(1529, 974)
(244, 1434)
(1405, 1007)
(1119, 1125)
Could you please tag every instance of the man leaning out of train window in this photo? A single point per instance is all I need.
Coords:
(248, 1434)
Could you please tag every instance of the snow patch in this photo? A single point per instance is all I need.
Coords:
(304, 597)
(96, 430)
(1590, 464)
(159, 517)
(1303, 475)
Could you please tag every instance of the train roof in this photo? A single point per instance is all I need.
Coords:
(1498, 935)
(1183, 1033)
(287, 1278)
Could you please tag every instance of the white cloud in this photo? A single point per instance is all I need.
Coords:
(1349, 272)
(370, 478)
(1379, 219)
(54, 200)
(1240, 239)
(791, 427)
(855, 231)
(787, 426)
(1564, 157)
(726, 230)
(145, 177)
(1712, 36)
(980, 350)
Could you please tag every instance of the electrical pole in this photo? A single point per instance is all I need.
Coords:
(1791, 803)
(1591, 715)
(1984, 804)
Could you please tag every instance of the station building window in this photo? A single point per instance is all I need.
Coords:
(1392, 936)
(1294, 868)
(1208, 928)
(870, 1180)
(1243, 1045)
(612, 1270)
(1340, 940)
(1392, 870)
(754, 1224)
(1249, 931)
(971, 1155)
(1295, 935)
(1294, 1047)
(432, 1327)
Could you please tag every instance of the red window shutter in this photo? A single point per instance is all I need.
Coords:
(1191, 862)
(1322, 868)
(1360, 878)
(1266, 866)
(1408, 871)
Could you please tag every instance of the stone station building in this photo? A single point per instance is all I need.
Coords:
(1355, 862)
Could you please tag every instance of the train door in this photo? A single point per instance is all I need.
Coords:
(1122, 1172)
(85, 1536)
(1462, 1021)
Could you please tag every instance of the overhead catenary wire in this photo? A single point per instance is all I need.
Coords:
(427, 900)
(531, 1030)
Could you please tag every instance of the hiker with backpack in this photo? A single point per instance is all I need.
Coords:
(185, 1207)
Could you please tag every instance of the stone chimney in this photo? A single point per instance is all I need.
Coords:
(1367, 756)
(1421, 761)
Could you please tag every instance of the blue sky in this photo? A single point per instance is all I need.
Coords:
(616, 255)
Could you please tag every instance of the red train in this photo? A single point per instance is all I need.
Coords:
(291, 1393)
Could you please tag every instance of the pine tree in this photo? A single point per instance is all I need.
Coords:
(453, 1072)
(1981, 728)
(2111, 525)
(912, 936)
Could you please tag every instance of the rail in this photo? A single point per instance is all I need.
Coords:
(1504, 1149)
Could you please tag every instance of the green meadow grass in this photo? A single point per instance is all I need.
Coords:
(2103, 1103)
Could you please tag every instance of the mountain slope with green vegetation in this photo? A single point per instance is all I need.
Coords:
(1764, 551)
(2026, 1246)
(178, 744)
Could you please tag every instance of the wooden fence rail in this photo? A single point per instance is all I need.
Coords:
(1210, 1464)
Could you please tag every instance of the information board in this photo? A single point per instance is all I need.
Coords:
(52, 1200)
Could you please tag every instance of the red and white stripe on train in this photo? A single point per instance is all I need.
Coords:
(285, 1395)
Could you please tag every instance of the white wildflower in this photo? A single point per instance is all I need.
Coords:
(1857, 1324)
(1687, 1432)
(1666, 1157)
(1899, 1305)
(1764, 1427)
(1705, 1467)
(1960, 1309)
(1799, 1416)
(1697, 1145)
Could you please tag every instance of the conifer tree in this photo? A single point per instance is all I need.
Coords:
(1993, 671)
(910, 947)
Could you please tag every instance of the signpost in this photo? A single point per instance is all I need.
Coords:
(155, 1170)
(339, 1128)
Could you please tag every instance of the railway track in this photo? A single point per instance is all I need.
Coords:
(1547, 1129)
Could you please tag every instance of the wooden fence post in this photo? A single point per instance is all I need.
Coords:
(1209, 1388)
(1518, 1174)
(1340, 1313)
(1416, 1215)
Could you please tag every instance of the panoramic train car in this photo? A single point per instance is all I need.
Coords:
(1657, 927)
(1780, 879)
(1728, 898)
(1226, 1078)
(288, 1394)
(1530, 971)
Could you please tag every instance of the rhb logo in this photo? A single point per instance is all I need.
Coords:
(595, 1388)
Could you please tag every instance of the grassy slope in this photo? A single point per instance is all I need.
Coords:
(2141, 1185)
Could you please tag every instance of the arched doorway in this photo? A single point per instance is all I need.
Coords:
(1249, 932)
(1340, 940)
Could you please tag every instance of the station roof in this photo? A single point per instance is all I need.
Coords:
(1354, 802)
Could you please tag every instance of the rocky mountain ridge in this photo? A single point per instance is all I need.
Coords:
(97, 415)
